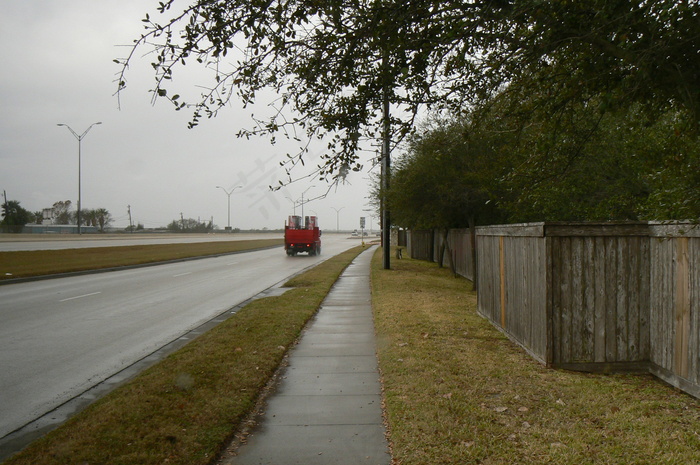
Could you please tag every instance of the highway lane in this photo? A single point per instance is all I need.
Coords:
(59, 337)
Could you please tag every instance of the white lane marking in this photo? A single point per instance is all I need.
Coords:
(79, 296)
(181, 274)
(228, 276)
(233, 263)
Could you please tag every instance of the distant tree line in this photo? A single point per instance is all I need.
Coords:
(189, 225)
(15, 217)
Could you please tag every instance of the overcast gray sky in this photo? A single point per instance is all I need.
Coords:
(56, 67)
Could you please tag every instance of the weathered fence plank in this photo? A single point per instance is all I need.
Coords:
(600, 308)
(675, 292)
(512, 283)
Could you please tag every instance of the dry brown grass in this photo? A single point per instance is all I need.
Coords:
(459, 392)
(25, 264)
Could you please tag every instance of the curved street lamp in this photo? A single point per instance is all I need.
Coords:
(302, 201)
(370, 218)
(80, 139)
(228, 193)
(294, 203)
(337, 218)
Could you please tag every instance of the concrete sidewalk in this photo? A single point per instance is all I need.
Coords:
(326, 408)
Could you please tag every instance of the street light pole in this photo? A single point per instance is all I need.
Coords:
(369, 210)
(80, 139)
(337, 218)
(228, 194)
(302, 201)
(294, 205)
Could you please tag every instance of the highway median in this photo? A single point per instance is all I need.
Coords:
(45, 263)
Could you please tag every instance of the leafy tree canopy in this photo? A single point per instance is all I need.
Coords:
(14, 216)
(331, 63)
(61, 212)
(581, 165)
(99, 218)
(445, 179)
(190, 225)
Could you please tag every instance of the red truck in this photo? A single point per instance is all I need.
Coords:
(300, 237)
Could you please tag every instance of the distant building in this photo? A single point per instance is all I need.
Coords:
(47, 216)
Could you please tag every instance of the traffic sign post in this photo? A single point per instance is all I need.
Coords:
(362, 229)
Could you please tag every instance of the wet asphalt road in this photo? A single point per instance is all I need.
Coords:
(59, 337)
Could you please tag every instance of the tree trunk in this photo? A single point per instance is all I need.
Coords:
(446, 249)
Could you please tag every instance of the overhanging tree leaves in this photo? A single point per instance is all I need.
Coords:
(325, 63)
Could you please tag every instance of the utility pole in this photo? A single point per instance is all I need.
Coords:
(386, 167)
(131, 224)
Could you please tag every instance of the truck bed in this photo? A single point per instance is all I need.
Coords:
(302, 240)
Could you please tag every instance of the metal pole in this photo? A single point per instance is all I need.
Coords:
(294, 205)
(228, 194)
(337, 218)
(229, 211)
(80, 139)
(302, 203)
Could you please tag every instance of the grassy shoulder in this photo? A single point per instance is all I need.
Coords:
(24, 264)
(185, 409)
(458, 391)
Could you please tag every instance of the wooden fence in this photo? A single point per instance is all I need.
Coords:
(426, 245)
(512, 284)
(592, 297)
(675, 305)
(420, 244)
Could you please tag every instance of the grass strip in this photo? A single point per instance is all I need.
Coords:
(185, 409)
(24, 264)
(457, 391)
